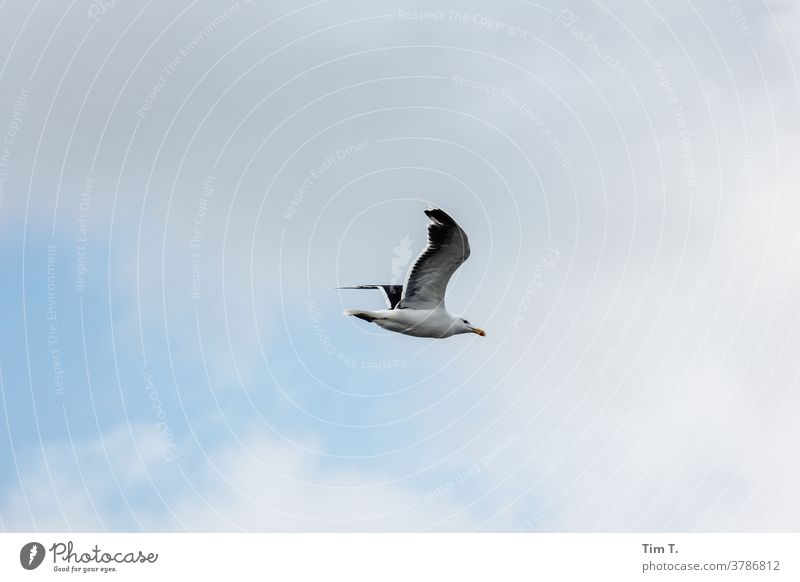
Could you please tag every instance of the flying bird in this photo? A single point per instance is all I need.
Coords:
(417, 307)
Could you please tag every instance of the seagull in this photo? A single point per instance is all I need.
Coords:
(417, 307)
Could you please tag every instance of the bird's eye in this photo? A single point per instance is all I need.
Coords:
(465, 321)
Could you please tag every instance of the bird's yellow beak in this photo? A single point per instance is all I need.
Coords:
(478, 330)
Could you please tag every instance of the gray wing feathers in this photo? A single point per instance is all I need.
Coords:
(447, 249)
(391, 293)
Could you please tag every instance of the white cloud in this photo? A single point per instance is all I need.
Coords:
(254, 484)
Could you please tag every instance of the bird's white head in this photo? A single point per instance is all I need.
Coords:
(461, 325)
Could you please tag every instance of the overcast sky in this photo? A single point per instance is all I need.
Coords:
(183, 186)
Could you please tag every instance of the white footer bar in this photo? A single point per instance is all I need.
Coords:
(406, 557)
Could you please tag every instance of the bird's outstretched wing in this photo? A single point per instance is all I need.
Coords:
(391, 293)
(447, 249)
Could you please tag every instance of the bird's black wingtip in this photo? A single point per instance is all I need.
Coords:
(439, 215)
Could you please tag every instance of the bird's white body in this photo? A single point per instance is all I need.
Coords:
(434, 323)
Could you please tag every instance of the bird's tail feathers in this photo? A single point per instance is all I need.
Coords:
(361, 314)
